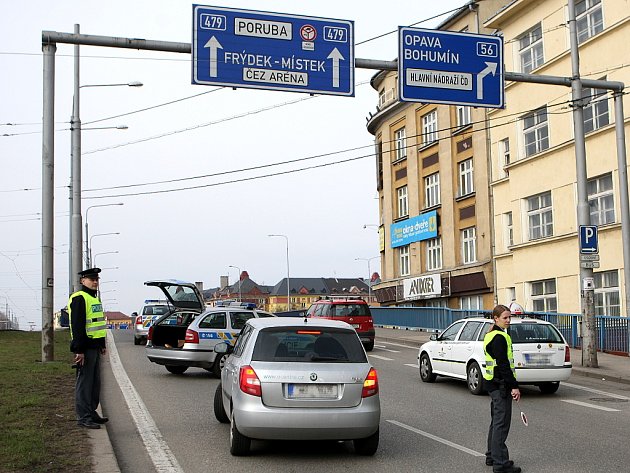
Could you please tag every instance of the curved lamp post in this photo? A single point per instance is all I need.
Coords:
(288, 277)
(239, 281)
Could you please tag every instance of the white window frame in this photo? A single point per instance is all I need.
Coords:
(539, 216)
(432, 190)
(403, 260)
(403, 202)
(536, 125)
(601, 200)
(508, 224)
(471, 302)
(429, 128)
(596, 113)
(463, 115)
(607, 294)
(589, 19)
(504, 156)
(469, 245)
(544, 292)
(400, 144)
(531, 50)
(466, 177)
(434, 254)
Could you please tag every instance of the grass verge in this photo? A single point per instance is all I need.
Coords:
(37, 420)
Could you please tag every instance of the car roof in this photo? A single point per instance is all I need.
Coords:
(340, 300)
(296, 322)
(515, 319)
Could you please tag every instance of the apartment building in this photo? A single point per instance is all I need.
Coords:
(533, 171)
(434, 198)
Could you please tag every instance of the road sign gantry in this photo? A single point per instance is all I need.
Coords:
(273, 51)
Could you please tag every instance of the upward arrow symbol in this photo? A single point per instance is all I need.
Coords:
(336, 56)
(491, 67)
(213, 44)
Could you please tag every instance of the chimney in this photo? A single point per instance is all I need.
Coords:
(224, 282)
(199, 285)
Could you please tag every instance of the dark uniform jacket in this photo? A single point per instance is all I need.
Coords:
(503, 376)
(80, 341)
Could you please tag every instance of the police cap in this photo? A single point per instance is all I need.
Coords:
(91, 273)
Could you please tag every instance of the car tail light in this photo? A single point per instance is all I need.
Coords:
(191, 336)
(370, 385)
(249, 382)
(567, 354)
(150, 334)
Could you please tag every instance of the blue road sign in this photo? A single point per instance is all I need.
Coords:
(273, 51)
(450, 67)
(588, 239)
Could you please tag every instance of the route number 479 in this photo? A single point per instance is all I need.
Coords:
(212, 22)
(487, 49)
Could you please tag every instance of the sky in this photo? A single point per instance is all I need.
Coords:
(199, 226)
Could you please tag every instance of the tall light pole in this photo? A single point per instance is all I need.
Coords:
(369, 274)
(104, 253)
(87, 241)
(76, 239)
(239, 281)
(89, 247)
(288, 277)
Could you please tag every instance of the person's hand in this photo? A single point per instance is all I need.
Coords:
(516, 394)
(79, 358)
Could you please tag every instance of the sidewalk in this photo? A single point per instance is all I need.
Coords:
(611, 367)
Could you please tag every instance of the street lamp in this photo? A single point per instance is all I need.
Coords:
(239, 281)
(288, 278)
(369, 274)
(87, 241)
(104, 253)
(89, 247)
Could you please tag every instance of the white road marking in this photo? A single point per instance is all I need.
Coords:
(593, 406)
(437, 439)
(401, 345)
(381, 357)
(387, 349)
(157, 448)
(412, 365)
(595, 391)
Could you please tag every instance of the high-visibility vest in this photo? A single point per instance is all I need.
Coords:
(95, 325)
(491, 362)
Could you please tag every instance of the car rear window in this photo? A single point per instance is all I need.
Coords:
(534, 333)
(154, 310)
(309, 344)
(350, 310)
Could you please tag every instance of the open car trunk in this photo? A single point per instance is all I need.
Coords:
(170, 331)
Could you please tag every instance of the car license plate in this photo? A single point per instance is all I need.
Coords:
(356, 325)
(537, 359)
(312, 391)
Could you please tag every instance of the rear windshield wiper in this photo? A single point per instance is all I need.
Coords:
(326, 358)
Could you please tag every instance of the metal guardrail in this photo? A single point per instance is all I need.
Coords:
(613, 333)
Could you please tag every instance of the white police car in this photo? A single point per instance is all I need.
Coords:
(541, 354)
(186, 337)
(151, 310)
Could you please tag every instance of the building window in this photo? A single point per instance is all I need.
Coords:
(429, 128)
(511, 295)
(596, 112)
(403, 207)
(607, 293)
(540, 216)
(403, 260)
(466, 177)
(434, 254)
(589, 18)
(400, 144)
(544, 297)
(531, 49)
(600, 200)
(509, 230)
(536, 131)
(504, 156)
(471, 303)
(469, 245)
(463, 115)
(432, 190)
(436, 303)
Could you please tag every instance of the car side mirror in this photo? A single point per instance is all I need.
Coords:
(433, 337)
(223, 348)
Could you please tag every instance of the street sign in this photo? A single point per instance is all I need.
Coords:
(589, 257)
(588, 239)
(450, 67)
(272, 51)
(589, 264)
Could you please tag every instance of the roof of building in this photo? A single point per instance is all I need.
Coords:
(321, 286)
(115, 315)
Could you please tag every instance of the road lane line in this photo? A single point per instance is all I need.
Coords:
(401, 345)
(437, 439)
(381, 357)
(387, 349)
(157, 448)
(595, 391)
(593, 406)
(412, 365)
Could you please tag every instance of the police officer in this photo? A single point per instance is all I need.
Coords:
(500, 381)
(87, 330)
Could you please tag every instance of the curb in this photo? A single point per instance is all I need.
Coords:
(103, 457)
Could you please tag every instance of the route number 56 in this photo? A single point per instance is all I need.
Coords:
(487, 49)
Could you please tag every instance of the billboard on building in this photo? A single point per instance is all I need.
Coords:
(422, 227)
(422, 287)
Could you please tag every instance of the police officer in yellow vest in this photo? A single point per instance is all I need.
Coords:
(501, 384)
(88, 330)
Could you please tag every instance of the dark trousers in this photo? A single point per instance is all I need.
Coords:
(88, 387)
(501, 414)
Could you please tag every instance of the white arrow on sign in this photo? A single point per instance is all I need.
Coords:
(336, 56)
(491, 67)
(213, 44)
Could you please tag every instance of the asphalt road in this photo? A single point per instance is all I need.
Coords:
(424, 427)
